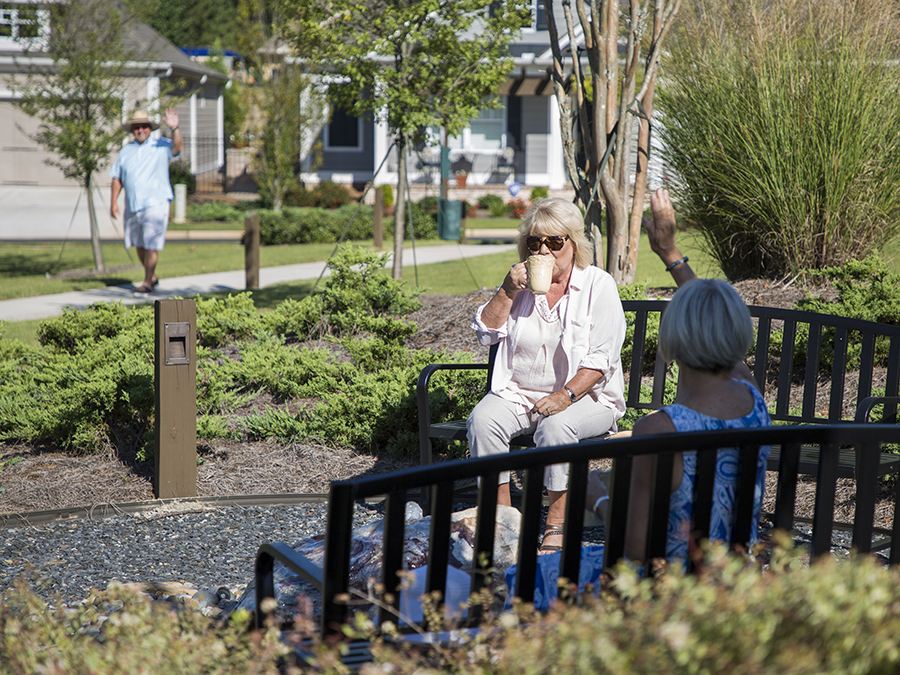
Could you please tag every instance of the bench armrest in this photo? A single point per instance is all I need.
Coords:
(424, 404)
(865, 406)
(264, 578)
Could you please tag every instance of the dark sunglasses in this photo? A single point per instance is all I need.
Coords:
(554, 243)
(139, 126)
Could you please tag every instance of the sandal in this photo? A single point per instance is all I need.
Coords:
(142, 290)
(547, 548)
(154, 283)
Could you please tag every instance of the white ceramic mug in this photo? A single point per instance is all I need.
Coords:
(540, 273)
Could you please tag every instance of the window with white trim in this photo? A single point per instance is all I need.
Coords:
(23, 26)
(344, 133)
(486, 133)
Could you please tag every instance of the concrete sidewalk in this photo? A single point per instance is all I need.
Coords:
(45, 306)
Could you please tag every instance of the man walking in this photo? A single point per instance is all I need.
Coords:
(142, 169)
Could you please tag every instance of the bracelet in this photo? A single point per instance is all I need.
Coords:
(600, 500)
(571, 394)
(673, 265)
(174, 128)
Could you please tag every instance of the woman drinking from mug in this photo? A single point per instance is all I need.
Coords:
(558, 372)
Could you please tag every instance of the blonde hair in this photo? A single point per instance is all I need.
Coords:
(555, 216)
(706, 326)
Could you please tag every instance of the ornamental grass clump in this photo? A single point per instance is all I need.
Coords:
(782, 130)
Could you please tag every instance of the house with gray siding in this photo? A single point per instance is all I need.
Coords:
(520, 142)
(37, 197)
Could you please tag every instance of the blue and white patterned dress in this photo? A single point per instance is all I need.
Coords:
(681, 505)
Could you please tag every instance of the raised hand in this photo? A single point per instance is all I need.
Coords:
(171, 118)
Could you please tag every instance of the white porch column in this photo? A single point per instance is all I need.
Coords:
(220, 129)
(556, 166)
(193, 148)
(380, 144)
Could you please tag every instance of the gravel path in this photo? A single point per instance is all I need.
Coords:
(207, 549)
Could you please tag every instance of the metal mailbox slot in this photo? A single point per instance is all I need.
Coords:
(177, 353)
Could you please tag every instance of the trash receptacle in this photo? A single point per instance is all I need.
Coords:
(449, 217)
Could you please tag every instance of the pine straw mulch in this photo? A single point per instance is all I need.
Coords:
(40, 478)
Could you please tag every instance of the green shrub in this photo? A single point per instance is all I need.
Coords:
(539, 192)
(792, 619)
(388, 192)
(429, 204)
(122, 631)
(95, 395)
(180, 172)
(331, 195)
(494, 204)
(315, 225)
(424, 223)
(771, 119)
(226, 320)
(214, 211)
(73, 329)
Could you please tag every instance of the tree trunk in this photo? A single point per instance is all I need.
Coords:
(400, 208)
(95, 227)
(640, 187)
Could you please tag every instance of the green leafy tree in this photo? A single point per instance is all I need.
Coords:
(599, 108)
(195, 23)
(781, 120)
(410, 63)
(78, 97)
(277, 120)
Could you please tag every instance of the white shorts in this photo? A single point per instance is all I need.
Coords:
(147, 228)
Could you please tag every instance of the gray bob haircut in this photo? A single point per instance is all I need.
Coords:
(706, 326)
(555, 216)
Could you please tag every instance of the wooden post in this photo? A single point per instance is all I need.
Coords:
(251, 249)
(378, 219)
(175, 377)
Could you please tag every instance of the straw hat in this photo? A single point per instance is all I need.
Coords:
(140, 117)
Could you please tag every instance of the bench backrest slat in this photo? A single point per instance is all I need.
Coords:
(392, 554)
(838, 370)
(529, 531)
(786, 369)
(826, 483)
(867, 472)
(786, 495)
(657, 534)
(484, 535)
(439, 535)
(742, 512)
(811, 380)
(704, 480)
(761, 355)
(866, 366)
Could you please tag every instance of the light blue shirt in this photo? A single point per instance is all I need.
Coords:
(143, 169)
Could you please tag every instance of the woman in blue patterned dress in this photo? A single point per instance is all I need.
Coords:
(707, 331)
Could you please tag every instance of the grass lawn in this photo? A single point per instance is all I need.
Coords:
(30, 269)
(211, 225)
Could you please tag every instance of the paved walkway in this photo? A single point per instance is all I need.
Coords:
(45, 306)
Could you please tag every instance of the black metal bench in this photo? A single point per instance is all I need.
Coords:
(439, 481)
(780, 374)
